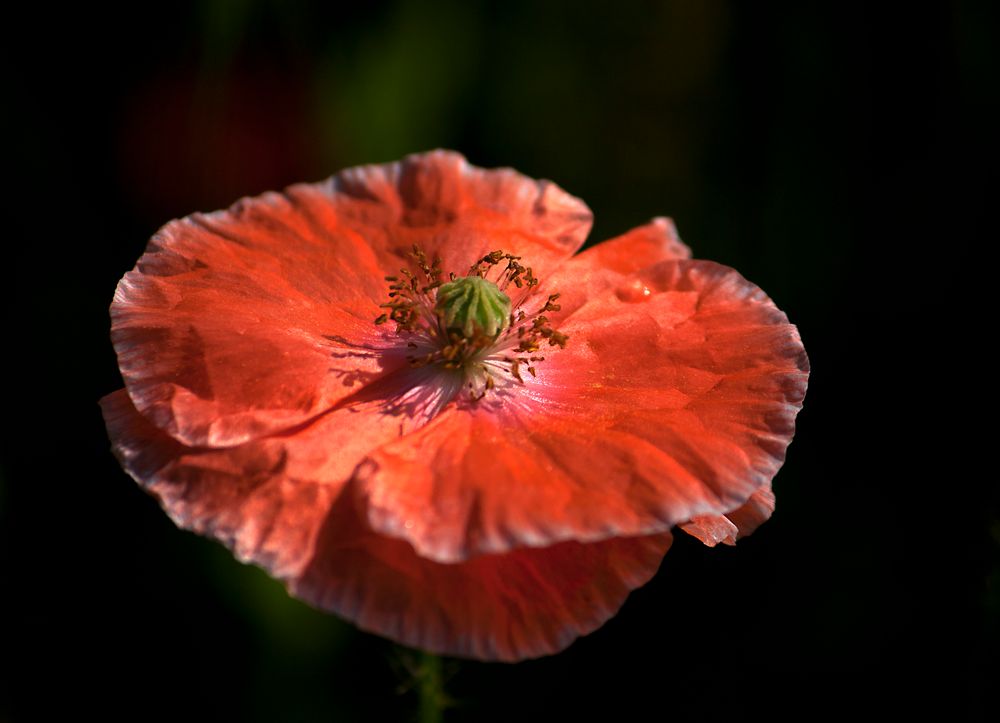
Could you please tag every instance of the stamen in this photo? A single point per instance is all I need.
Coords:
(469, 324)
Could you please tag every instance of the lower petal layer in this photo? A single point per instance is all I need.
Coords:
(730, 527)
(266, 499)
(524, 604)
(247, 497)
(280, 503)
(674, 399)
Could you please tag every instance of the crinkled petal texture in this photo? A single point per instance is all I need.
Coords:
(675, 399)
(278, 502)
(265, 408)
(523, 604)
(245, 322)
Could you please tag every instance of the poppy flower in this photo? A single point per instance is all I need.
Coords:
(404, 394)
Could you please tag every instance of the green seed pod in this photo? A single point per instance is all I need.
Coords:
(471, 305)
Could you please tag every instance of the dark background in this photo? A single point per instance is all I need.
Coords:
(834, 154)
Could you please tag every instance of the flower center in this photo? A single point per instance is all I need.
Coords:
(471, 305)
(471, 325)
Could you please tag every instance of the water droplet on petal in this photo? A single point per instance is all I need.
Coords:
(633, 292)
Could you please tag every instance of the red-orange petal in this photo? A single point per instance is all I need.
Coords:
(675, 398)
(524, 604)
(266, 499)
(451, 209)
(280, 503)
(732, 526)
(244, 496)
(245, 322)
(609, 263)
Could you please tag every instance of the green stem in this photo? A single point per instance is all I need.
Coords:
(430, 689)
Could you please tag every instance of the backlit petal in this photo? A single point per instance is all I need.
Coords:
(636, 249)
(524, 604)
(675, 398)
(453, 210)
(609, 263)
